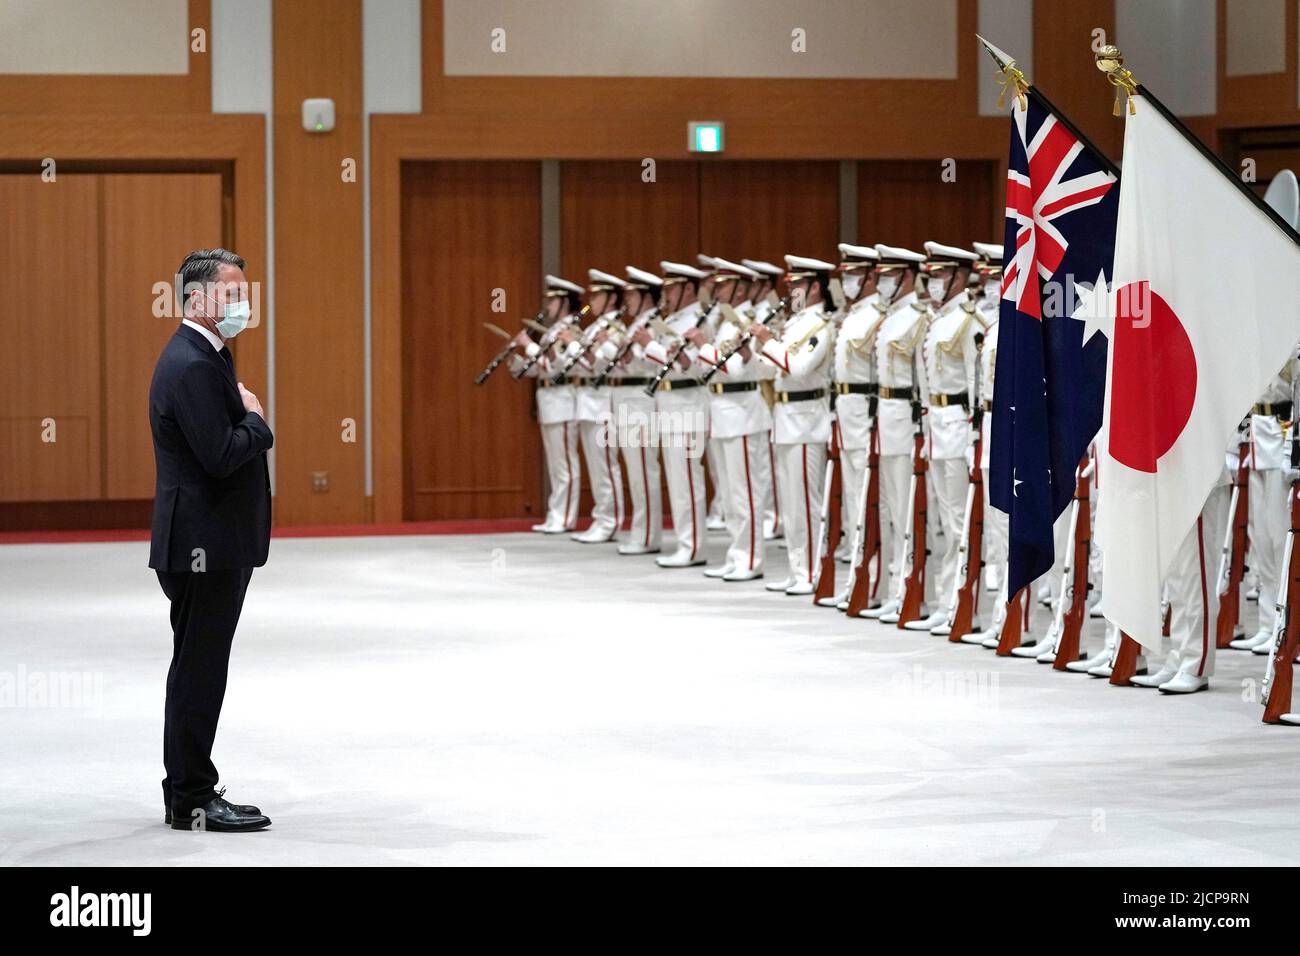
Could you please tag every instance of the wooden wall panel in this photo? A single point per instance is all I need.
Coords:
(1064, 69)
(150, 222)
(51, 360)
(610, 218)
(468, 229)
(765, 209)
(906, 203)
(320, 268)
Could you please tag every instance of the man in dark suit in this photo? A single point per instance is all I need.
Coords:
(211, 526)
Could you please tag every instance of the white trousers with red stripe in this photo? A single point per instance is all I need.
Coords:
(995, 530)
(683, 459)
(718, 475)
(895, 483)
(854, 463)
(605, 475)
(801, 471)
(746, 472)
(643, 481)
(949, 479)
(1190, 587)
(560, 446)
(1269, 520)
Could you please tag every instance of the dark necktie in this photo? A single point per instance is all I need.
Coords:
(230, 359)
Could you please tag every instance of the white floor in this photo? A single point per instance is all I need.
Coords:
(514, 699)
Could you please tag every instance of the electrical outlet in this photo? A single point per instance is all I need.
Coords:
(320, 481)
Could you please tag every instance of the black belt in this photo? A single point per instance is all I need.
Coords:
(986, 405)
(808, 396)
(722, 388)
(857, 388)
(904, 393)
(940, 400)
(549, 382)
(1276, 409)
(628, 382)
(668, 385)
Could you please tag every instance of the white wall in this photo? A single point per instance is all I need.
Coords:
(1170, 47)
(94, 36)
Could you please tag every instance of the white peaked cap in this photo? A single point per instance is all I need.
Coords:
(804, 264)
(898, 254)
(991, 251)
(724, 265)
(850, 251)
(595, 276)
(642, 277)
(709, 262)
(766, 268)
(681, 269)
(937, 250)
(555, 282)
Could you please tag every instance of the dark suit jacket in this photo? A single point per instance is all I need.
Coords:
(213, 489)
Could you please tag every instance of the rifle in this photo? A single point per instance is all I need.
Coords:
(1069, 623)
(861, 588)
(1015, 624)
(832, 492)
(501, 356)
(1232, 563)
(914, 547)
(567, 320)
(961, 619)
(1123, 661)
(1285, 643)
(662, 374)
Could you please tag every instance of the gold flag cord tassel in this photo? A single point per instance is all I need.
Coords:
(1013, 79)
(1110, 61)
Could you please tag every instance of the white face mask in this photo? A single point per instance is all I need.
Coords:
(886, 286)
(234, 317)
(937, 288)
(852, 284)
(993, 290)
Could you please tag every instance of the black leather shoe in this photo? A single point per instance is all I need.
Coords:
(221, 816)
(245, 808)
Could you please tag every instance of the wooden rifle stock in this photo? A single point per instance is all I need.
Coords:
(863, 587)
(971, 561)
(1230, 589)
(824, 586)
(1286, 631)
(1015, 624)
(914, 586)
(1067, 641)
(1123, 667)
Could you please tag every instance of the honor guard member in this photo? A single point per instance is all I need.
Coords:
(801, 416)
(1269, 517)
(855, 384)
(555, 403)
(681, 411)
(898, 348)
(1193, 601)
(763, 294)
(593, 408)
(950, 355)
(634, 413)
(989, 305)
(739, 422)
(716, 518)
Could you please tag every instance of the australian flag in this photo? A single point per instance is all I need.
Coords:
(1049, 384)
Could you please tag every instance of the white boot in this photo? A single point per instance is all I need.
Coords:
(1162, 676)
(798, 588)
(747, 574)
(1259, 639)
(681, 558)
(778, 585)
(875, 613)
(719, 571)
(934, 619)
(630, 548)
(593, 535)
(1184, 684)
(1086, 666)
(839, 600)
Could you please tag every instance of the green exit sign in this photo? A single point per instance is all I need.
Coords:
(706, 136)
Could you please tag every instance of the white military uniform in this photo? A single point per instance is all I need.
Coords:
(950, 357)
(593, 410)
(995, 521)
(772, 527)
(682, 414)
(801, 429)
(556, 413)
(898, 343)
(739, 423)
(1269, 516)
(633, 423)
(855, 376)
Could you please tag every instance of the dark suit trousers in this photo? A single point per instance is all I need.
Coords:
(205, 608)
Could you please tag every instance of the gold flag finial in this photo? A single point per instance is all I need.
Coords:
(1009, 76)
(1110, 61)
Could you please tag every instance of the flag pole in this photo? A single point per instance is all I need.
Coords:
(1110, 61)
(1014, 78)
